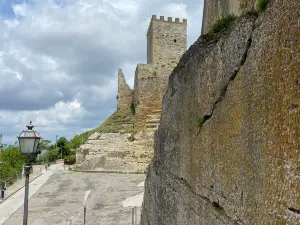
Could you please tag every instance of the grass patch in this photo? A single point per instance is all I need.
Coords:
(119, 121)
(261, 5)
(222, 23)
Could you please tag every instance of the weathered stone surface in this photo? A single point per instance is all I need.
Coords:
(215, 9)
(148, 92)
(116, 151)
(124, 92)
(227, 148)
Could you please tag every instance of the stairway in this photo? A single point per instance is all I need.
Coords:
(153, 120)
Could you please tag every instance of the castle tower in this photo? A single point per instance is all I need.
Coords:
(124, 92)
(166, 43)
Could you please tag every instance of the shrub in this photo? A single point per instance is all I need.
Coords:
(261, 5)
(222, 24)
(13, 162)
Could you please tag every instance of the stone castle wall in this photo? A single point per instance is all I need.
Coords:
(150, 94)
(124, 92)
(215, 9)
(166, 43)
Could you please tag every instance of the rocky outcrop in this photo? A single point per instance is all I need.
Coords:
(227, 148)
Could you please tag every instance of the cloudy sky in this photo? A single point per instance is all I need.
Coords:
(59, 59)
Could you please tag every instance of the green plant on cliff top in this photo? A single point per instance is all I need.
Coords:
(261, 5)
(222, 24)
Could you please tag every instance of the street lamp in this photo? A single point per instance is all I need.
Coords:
(28, 141)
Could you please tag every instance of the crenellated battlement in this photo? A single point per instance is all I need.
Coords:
(168, 20)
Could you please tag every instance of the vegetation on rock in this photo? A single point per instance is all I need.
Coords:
(222, 23)
(80, 139)
(261, 5)
(115, 123)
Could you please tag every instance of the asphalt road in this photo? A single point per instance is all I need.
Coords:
(59, 200)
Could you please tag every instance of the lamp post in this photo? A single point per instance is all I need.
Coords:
(28, 141)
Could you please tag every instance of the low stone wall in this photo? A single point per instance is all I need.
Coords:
(116, 151)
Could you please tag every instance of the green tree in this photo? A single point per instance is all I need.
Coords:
(79, 139)
(49, 156)
(63, 146)
(13, 162)
(43, 145)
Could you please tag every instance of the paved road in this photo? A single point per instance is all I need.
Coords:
(59, 200)
(14, 202)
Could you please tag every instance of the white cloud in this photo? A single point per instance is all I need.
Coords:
(21, 9)
(178, 10)
(59, 61)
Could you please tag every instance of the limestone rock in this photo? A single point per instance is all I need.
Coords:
(116, 151)
(240, 165)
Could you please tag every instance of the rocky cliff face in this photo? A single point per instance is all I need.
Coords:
(227, 149)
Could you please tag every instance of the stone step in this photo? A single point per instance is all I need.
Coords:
(151, 129)
(157, 111)
(152, 125)
(153, 115)
(153, 121)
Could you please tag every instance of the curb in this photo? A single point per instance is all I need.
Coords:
(21, 188)
(110, 171)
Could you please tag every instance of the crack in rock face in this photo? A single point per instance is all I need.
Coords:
(225, 138)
